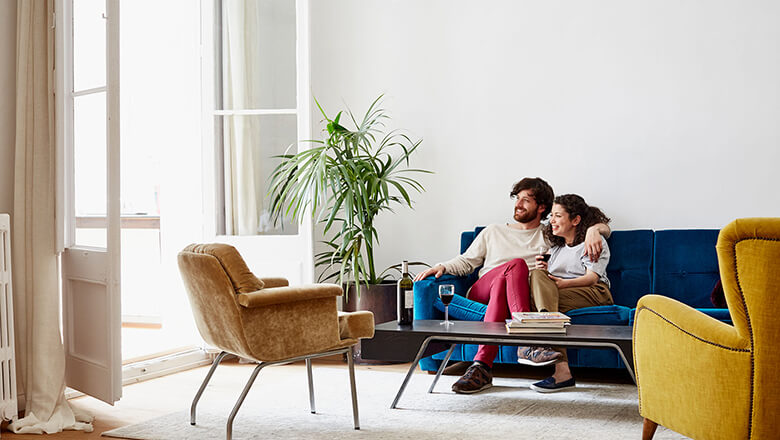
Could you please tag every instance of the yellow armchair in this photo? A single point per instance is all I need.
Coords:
(706, 379)
(264, 319)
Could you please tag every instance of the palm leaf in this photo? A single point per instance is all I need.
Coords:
(345, 181)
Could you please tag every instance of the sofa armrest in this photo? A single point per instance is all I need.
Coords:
(426, 294)
(269, 282)
(282, 295)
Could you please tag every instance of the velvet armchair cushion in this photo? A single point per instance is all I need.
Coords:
(242, 279)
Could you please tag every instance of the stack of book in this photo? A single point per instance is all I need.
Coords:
(537, 322)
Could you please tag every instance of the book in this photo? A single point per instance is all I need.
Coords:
(528, 317)
(536, 329)
(552, 324)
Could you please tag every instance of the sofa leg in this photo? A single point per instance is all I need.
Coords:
(648, 429)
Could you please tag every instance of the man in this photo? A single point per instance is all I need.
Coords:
(505, 252)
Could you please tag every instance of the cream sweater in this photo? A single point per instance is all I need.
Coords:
(496, 245)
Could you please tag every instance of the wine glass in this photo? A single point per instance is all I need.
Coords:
(544, 255)
(446, 293)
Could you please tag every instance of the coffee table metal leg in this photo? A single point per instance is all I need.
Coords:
(442, 367)
(411, 370)
(629, 363)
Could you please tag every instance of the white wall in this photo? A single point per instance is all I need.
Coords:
(7, 102)
(663, 113)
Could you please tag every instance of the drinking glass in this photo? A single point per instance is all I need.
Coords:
(446, 292)
(544, 255)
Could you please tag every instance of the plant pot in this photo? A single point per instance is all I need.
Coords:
(381, 300)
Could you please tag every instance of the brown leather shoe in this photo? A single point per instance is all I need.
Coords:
(474, 380)
(537, 356)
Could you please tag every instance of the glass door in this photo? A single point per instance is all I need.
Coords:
(87, 38)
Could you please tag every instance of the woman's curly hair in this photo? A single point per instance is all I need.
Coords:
(575, 206)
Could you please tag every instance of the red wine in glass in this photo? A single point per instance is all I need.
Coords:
(446, 292)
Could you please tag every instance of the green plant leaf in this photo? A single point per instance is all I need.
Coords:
(346, 180)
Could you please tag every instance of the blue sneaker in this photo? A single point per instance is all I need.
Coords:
(549, 386)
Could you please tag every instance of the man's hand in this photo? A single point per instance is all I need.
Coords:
(437, 271)
(593, 236)
(560, 282)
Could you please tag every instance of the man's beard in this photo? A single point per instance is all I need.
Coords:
(528, 217)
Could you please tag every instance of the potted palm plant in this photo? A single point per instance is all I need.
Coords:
(346, 180)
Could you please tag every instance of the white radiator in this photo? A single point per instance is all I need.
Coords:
(8, 406)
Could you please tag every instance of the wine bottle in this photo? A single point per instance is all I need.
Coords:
(405, 296)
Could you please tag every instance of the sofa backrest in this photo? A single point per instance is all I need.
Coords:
(678, 263)
(466, 238)
(630, 265)
(685, 265)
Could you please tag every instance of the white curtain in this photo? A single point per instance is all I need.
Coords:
(40, 353)
(239, 35)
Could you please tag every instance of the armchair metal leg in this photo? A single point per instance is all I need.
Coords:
(241, 398)
(648, 429)
(311, 385)
(214, 364)
(351, 365)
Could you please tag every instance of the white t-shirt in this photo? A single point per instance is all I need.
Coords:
(497, 244)
(571, 262)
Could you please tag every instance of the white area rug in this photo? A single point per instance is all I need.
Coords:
(278, 407)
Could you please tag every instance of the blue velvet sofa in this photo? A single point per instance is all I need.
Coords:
(681, 264)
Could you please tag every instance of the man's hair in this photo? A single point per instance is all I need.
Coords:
(540, 190)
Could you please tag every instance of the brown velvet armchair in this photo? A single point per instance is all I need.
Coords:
(265, 319)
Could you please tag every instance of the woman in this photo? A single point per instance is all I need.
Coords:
(570, 280)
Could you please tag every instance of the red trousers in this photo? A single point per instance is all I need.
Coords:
(505, 290)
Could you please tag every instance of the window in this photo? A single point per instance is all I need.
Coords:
(255, 112)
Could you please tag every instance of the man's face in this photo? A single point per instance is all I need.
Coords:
(526, 208)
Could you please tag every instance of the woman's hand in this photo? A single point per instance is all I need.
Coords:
(589, 279)
(437, 270)
(560, 282)
(540, 263)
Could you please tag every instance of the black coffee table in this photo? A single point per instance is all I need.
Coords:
(393, 342)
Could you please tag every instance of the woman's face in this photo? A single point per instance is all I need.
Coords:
(563, 225)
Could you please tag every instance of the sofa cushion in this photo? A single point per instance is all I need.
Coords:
(600, 315)
(463, 309)
(685, 265)
(629, 265)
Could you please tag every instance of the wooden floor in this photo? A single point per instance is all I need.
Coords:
(156, 397)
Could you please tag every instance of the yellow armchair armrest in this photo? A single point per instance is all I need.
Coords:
(690, 321)
(282, 295)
